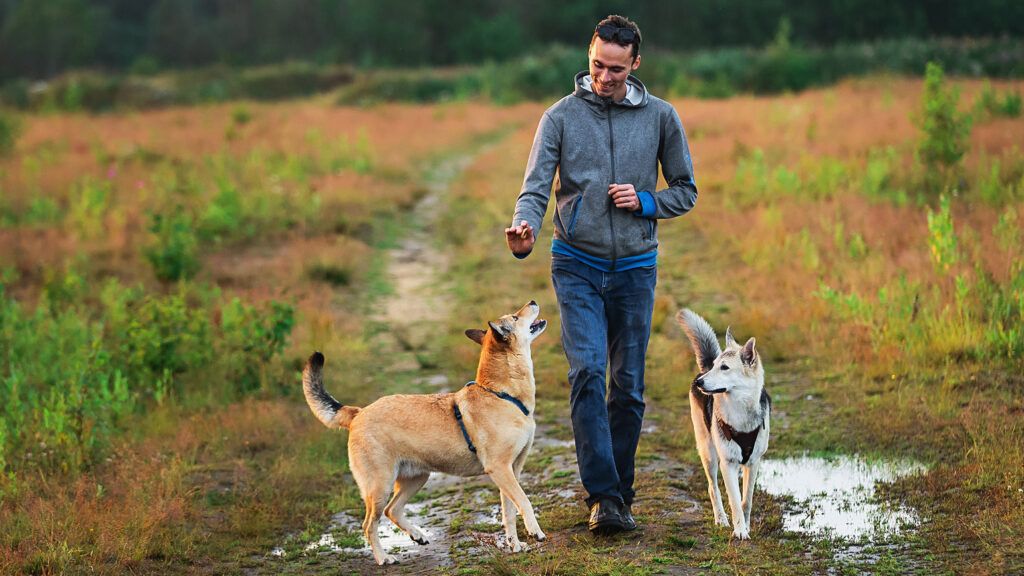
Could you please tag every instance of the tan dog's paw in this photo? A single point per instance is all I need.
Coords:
(722, 520)
(387, 559)
(418, 536)
(741, 534)
(539, 535)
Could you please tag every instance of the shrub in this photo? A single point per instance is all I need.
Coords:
(945, 131)
(10, 129)
(89, 208)
(254, 338)
(990, 104)
(172, 251)
(880, 176)
(942, 237)
(74, 367)
(222, 217)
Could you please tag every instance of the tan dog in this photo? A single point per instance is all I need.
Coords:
(485, 428)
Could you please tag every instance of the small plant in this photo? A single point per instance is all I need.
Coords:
(256, 337)
(1011, 105)
(880, 176)
(991, 104)
(240, 116)
(10, 129)
(173, 251)
(224, 215)
(991, 188)
(89, 208)
(945, 131)
(942, 237)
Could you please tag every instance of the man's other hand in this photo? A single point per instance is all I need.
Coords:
(520, 238)
(624, 196)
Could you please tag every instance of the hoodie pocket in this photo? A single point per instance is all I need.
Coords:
(573, 213)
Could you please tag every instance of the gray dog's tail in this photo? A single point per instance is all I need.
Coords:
(324, 406)
(702, 338)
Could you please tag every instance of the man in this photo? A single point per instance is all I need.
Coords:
(605, 140)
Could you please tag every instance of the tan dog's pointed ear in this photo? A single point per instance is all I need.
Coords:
(476, 335)
(499, 332)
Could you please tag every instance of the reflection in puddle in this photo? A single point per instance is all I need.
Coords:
(836, 495)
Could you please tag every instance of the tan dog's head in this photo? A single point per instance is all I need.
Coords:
(516, 330)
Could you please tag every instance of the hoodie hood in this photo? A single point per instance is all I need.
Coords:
(583, 90)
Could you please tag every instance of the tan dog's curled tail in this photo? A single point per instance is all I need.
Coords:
(323, 405)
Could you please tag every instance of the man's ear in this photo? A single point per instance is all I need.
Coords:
(749, 353)
(476, 335)
(636, 62)
(499, 332)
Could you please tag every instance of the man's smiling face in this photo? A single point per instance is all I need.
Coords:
(610, 64)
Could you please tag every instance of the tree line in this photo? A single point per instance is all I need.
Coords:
(41, 38)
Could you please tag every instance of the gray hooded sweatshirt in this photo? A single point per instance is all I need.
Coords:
(593, 142)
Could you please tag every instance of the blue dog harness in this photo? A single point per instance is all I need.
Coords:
(503, 395)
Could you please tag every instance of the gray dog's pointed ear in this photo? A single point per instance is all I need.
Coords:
(749, 353)
(499, 332)
(729, 340)
(476, 335)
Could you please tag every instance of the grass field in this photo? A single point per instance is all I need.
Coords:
(165, 274)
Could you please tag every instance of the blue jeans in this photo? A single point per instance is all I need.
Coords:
(606, 321)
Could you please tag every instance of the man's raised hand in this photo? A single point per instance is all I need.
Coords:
(520, 238)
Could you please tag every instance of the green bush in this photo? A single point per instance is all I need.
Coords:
(991, 104)
(173, 248)
(60, 397)
(880, 176)
(255, 337)
(945, 132)
(942, 238)
(287, 80)
(10, 129)
(224, 217)
(75, 368)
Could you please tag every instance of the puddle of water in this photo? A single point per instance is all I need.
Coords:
(836, 495)
(432, 516)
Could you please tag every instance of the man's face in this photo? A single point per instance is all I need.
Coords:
(610, 64)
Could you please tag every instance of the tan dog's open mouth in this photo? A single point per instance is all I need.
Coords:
(537, 326)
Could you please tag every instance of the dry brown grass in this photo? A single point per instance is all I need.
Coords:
(192, 488)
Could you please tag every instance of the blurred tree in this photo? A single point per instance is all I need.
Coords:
(39, 39)
(179, 35)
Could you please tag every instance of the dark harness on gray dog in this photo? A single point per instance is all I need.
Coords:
(503, 395)
(745, 440)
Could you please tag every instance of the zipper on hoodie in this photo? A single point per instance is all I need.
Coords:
(611, 202)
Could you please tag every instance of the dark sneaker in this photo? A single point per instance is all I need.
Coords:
(606, 518)
(627, 518)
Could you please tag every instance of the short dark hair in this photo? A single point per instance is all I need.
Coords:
(622, 23)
